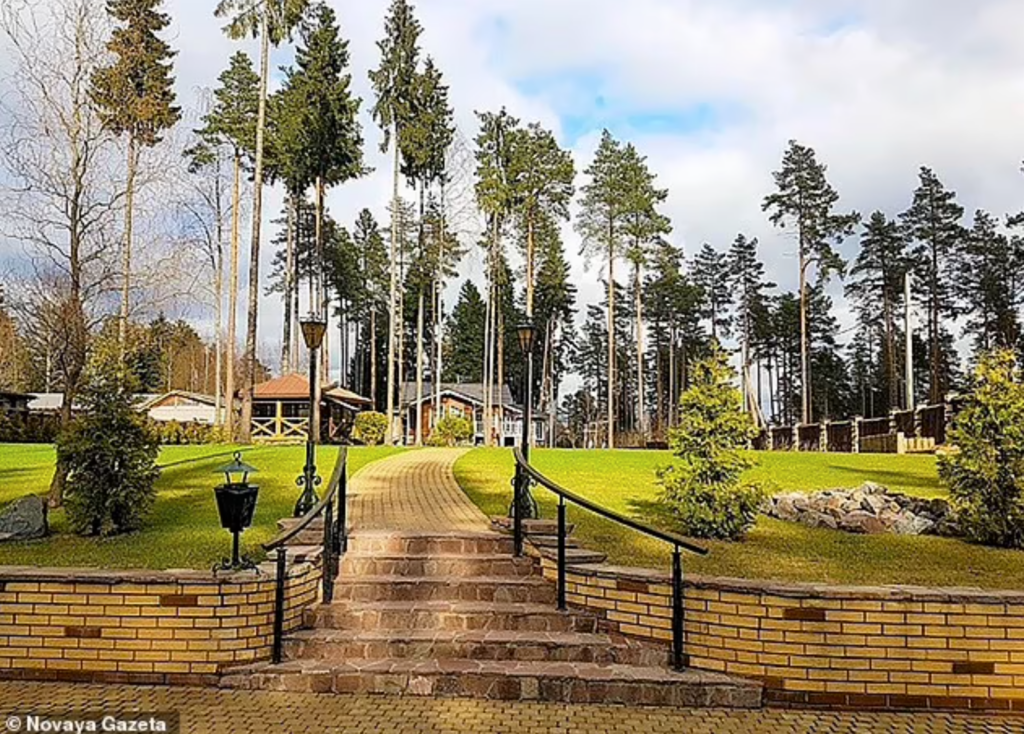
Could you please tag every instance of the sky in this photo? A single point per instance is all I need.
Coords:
(710, 91)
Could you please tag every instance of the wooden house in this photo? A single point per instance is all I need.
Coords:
(280, 410)
(466, 400)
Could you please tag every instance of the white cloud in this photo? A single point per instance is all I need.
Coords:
(879, 88)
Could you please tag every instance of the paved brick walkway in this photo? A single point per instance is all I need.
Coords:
(239, 712)
(414, 490)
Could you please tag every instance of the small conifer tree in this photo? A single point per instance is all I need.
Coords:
(111, 454)
(985, 474)
(705, 491)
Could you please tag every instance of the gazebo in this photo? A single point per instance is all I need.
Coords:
(280, 410)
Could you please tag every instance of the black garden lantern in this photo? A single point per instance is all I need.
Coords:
(236, 501)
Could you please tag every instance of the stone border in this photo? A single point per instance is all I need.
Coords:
(146, 627)
(886, 647)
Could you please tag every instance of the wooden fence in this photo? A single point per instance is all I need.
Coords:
(910, 431)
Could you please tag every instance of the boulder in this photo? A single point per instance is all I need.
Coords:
(819, 520)
(863, 523)
(24, 519)
(874, 504)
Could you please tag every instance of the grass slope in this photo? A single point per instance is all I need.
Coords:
(184, 529)
(624, 481)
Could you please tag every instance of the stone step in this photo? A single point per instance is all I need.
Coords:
(530, 589)
(537, 526)
(429, 543)
(574, 556)
(446, 615)
(563, 682)
(475, 564)
(551, 541)
(344, 645)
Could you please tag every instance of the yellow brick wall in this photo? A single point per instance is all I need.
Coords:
(142, 626)
(886, 647)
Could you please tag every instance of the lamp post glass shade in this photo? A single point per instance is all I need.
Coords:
(527, 336)
(236, 502)
(313, 330)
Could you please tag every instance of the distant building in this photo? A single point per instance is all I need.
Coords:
(14, 404)
(466, 400)
(280, 410)
(183, 407)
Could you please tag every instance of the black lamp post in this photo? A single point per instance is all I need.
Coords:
(236, 501)
(313, 330)
(523, 504)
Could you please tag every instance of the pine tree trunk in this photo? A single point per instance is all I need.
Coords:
(229, 366)
(257, 214)
(419, 366)
(611, 340)
(641, 403)
(373, 356)
(126, 253)
(500, 319)
(218, 294)
(671, 378)
(392, 315)
(289, 285)
(805, 367)
(317, 305)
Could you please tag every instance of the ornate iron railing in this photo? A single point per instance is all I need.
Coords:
(525, 473)
(332, 507)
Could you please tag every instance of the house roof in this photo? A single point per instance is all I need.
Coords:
(472, 392)
(296, 387)
(11, 395)
(150, 401)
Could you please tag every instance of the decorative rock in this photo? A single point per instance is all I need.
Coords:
(24, 519)
(862, 522)
(869, 509)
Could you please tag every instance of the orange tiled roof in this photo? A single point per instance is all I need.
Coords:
(296, 387)
(286, 387)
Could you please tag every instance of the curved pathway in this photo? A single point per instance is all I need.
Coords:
(413, 490)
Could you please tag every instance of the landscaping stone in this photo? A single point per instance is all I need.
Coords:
(870, 509)
(24, 519)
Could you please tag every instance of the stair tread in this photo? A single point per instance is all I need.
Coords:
(495, 636)
(511, 668)
(447, 606)
(449, 579)
(396, 556)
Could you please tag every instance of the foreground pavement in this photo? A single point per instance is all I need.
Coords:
(240, 712)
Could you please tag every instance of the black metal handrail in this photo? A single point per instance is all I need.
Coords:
(525, 472)
(334, 544)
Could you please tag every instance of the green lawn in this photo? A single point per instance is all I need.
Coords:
(624, 481)
(184, 529)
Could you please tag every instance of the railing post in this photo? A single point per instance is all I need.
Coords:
(561, 552)
(327, 559)
(341, 537)
(282, 552)
(517, 511)
(678, 659)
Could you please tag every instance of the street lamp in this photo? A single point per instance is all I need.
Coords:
(523, 504)
(313, 330)
(236, 501)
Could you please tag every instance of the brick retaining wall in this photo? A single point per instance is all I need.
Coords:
(142, 626)
(858, 647)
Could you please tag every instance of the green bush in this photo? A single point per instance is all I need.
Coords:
(705, 492)
(370, 428)
(985, 472)
(451, 431)
(110, 454)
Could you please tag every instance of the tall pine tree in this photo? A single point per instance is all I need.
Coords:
(135, 98)
(805, 200)
(933, 223)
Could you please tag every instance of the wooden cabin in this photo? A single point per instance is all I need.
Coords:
(280, 410)
(467, 400)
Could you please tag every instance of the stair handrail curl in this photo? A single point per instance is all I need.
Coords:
(525, 472)
(335, 543)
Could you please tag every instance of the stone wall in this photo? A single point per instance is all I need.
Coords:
(142, 626)
(858, 647)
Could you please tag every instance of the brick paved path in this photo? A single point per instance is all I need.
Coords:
(238, 712)
(414, 490)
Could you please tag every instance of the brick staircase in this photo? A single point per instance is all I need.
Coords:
(455, 614)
